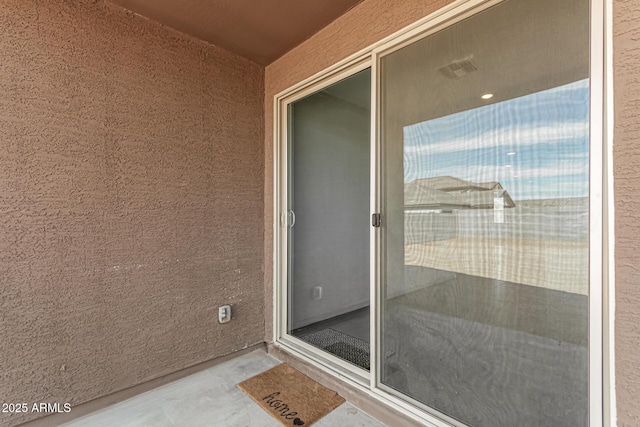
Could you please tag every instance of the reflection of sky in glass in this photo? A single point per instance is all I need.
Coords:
(536, 146)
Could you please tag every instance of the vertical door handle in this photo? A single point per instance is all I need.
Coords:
(376, 220)
(292, 218)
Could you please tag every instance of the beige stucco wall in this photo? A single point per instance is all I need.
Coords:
(131, 201)
(374, 19)
(626, 165)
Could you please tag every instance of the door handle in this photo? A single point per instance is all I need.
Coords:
(376, 219)
(292, 218)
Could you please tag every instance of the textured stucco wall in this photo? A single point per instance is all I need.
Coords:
(363, 25)
(626, 165)
(131, 201)
(374, 19)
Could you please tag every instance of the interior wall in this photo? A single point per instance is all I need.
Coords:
(131, 201)
(371, 21)
(626, 169)
(331, 203)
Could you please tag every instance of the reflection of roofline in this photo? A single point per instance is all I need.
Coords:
(508, 201)
(449, 207)
(447, 192)
(469, 187)
(481, 186)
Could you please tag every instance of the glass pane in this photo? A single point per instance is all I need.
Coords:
(486, 227)
(329, 197)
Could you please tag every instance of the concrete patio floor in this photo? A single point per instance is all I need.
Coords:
(210, 398)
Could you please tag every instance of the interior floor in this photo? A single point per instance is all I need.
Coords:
(490, 352)
(210, 398)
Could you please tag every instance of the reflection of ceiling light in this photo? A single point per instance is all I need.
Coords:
(512, 153)
(487, 96)
(507, 166)
(516, 176)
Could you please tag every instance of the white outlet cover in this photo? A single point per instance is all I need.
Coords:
(224, 313)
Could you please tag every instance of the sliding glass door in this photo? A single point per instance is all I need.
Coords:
(485, 136)
(439, 232)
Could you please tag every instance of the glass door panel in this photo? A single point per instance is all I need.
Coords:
(485, 136)
(329, 162)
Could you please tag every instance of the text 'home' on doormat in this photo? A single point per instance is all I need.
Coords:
(290, 396)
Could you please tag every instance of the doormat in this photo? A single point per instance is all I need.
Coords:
(342, 345)
(290, 396)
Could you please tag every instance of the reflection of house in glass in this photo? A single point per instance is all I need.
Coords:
(448, 193)
(443, 195)
(476, 229)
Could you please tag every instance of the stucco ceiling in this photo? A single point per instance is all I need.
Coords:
(260, 30)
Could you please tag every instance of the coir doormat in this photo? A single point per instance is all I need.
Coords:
(291, 397)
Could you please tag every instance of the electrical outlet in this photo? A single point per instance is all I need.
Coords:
(224, 313)
(316, 293)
